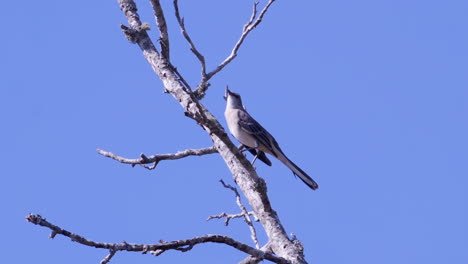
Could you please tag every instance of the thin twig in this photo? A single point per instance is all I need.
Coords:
(164, 37)
(108, 257)
(251, 24)
(180, 245)
(162, 26)
(194, 49)
(229, 216)
(181, 78)
(155, 159)
(252, 17)
(245, 213)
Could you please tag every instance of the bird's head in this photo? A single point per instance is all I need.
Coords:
(233, 99)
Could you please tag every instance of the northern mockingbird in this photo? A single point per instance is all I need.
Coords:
(256, 138)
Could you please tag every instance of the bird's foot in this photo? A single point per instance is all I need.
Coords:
(242, 148)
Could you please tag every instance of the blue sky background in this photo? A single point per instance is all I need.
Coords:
(368, 97)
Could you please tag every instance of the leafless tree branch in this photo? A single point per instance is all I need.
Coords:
(155, 159)
(245, 213)
(255, 260)
(228, 216)
(248, 27)
(180, 245)
(136, 33)
(180, 77)
(252, 17)
(164, 38)
(161, 22)
(194, 49)
(108, 257)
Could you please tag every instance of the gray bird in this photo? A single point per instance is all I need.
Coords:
(256, 138)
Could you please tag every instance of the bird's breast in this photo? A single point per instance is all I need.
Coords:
(232, 119)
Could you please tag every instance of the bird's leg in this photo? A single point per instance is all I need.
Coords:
(256, 152)
(242, 148)
(255, 158)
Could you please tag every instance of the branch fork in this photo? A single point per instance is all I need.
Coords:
(253, 22)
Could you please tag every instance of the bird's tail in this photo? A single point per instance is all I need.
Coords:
(298, 172)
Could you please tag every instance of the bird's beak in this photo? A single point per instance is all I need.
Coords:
(226, 93)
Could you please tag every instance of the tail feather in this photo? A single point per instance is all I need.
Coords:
(300, 173)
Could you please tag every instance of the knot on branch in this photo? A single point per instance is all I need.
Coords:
(134, 34)
(297, 244)
(128, 6)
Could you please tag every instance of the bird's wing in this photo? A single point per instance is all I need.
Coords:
(252, 127)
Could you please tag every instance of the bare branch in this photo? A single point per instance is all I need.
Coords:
(108, 257)
(253, 233)
(162, 26)
(251, 24)
(255, 260)
(136, 31)
(195, 51)
(155, 159)
(164, 37)
(228, 217)
(179, 76)
(180, 245)
(252, 17)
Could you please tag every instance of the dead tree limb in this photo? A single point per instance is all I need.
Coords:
(245, 213)
(180, 245)
(161, 22)
(200, 57)
(109, 257)
(253, 22)
(248, 27)
(228, 217)
(255, 260)
(155, 159)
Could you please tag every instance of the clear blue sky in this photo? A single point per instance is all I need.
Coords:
(368, 97)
